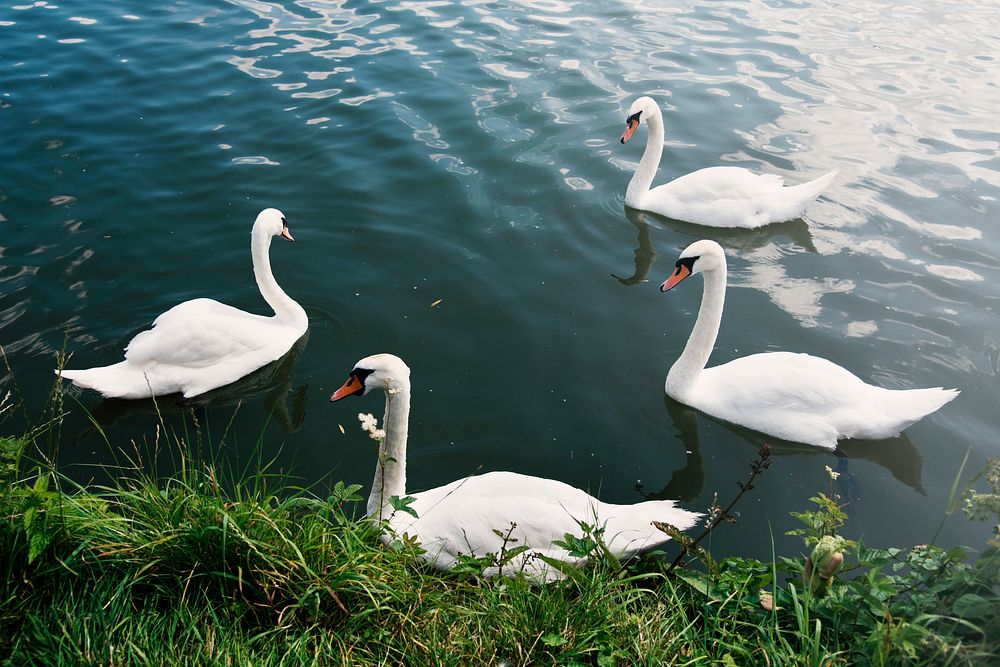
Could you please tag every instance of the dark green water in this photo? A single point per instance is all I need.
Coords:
(469, 153)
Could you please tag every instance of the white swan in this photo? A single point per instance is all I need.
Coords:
(202, 344)
(790, 396)
(716, 196)
(461, 517)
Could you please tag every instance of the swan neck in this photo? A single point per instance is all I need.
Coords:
(702, 339)
(650, 162)
(390, 471)
(284, 307)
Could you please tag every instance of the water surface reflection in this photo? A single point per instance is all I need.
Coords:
(896, 455)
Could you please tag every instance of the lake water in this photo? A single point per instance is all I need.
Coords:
(467, 155)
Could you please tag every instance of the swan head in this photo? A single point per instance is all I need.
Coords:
(641, 110)
(379, 371)
(272, 222)
(699, 257)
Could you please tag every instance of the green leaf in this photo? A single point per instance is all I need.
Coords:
(38, 541)
(554, 639)
(569, 569)
(343, 493)
(695, 580)
(472, 565)
(578, 547)
(511, 554)
(403, 505)
(972, 606)
(956, 554)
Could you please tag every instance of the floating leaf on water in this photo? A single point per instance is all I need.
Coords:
(341, 427)
(434, 305)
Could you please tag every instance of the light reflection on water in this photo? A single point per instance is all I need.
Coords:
(468, 152)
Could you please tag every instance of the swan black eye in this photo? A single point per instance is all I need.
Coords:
(633, 117)
(284, 223)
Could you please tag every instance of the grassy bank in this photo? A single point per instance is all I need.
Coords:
(198, 570)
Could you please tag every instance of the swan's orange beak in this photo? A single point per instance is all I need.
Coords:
(630, 129)
(286, 235)
(352, 386)
(679, 274)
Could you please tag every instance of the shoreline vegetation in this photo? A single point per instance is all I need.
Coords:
(201, 568)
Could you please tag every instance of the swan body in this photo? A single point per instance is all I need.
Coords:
(461, 517)
(716, 196)
(796, 397)
(202, 344)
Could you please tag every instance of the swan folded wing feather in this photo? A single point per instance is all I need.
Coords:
(197, 342)
(195, 308)
(802, 398)
(469, 509)
(718, 197)
(791, 378)
(727, 183)
(785, 394)
(629, 528)
(462, 517)
(203, 344)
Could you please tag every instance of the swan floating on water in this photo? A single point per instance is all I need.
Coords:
(462, 517)
(796, 397)
(200, 345)
(716, 196)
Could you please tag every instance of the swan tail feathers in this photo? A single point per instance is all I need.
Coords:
(121, 380)
(800, 196)
(626, 535)
(925, 401)
(660, 510)
(908, 406)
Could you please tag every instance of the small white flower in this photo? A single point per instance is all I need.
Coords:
(368, 421)
(369, 424)
(832, 473)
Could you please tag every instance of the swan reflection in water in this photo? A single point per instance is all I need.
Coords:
(897, 455)
(273, 383)
(731, 239)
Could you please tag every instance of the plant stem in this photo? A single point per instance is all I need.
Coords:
(757, 466)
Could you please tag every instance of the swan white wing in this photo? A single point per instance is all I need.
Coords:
(718, 197)
(200, 345)
(798, 380)
(203, 332)
(462, 517)
(198, 308)
(803, 398)
(720, 183)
